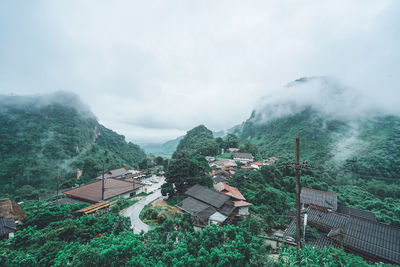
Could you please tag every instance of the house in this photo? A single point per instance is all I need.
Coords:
(8, 227)
(233, 149)
(318, 198)
(243, 157)
(239, 200)
(223, 163)
(92, 192)
(9, 209)
(209, 206)
(357, 231)
(369, 239)
(270, 160)
(118, 174)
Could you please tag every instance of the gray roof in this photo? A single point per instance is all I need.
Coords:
(243, 155)
(205, 214)
(227, 208)
(7, 225)
(192, 205)
(115, 173)
(372, 238)
(326, 219)
(357, 213)
(206, 195)
(318, 198)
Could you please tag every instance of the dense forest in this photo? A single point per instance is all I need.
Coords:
(46, 137)
(58, 236)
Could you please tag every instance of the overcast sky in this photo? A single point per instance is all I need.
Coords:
(151, 70)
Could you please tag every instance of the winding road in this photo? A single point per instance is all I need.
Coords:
(134, 211)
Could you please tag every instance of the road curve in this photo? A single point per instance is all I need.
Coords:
(134, 211)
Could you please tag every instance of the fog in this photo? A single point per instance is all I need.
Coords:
(151, 70)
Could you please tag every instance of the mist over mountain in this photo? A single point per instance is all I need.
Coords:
(339, 128)
(46, 136)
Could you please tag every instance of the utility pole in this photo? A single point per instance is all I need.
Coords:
(102, 184)
(298, 223)
(297, 166)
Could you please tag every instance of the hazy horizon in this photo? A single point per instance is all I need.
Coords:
(153, 70)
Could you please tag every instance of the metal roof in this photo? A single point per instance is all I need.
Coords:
(357, 213)
(192, 205)
(372, 238)
(92, 191)
(207, 195)
(229, 190)
(318, 198)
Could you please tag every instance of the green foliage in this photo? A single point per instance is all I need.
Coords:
(37, 141)
(319, 257)
(186, 172)
(359, 160)
(199, 140)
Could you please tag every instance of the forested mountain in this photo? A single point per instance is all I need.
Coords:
(45, 136)
(358, 157)
(198, 140)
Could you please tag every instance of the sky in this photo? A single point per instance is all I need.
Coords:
(151, 70)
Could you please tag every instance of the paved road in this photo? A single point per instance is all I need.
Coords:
(134, 211)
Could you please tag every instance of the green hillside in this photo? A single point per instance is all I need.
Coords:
(164, 149)
(44, 136)
(198, 140)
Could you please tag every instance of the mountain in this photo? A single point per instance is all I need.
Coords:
(355, 154)
(363, 145)
(43, 137)
(198, 140)
(163, 149)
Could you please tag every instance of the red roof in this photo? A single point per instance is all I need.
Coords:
(229, 190)
(92, 192)
(256, 163)
(241, 203)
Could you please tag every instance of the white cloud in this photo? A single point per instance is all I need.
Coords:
(175, 64)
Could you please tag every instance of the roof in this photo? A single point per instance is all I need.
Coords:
(9, 209)
(218, 217)
(372, 238)
(192, 205)
(257, 163)
(68, 200)
(243, 155)
(7, 225)
(227, 208)
(207, 195)
(326, 219)
(94, 207)
(92, 192)
(241, 203)
(357, 213)
(115, 173)
(318, 198)
(205, 214)
(229, 190)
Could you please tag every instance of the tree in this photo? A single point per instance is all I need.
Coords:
(231, 140)
(186, 172)
(159, 161)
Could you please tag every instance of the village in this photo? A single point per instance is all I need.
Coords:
(327, 222)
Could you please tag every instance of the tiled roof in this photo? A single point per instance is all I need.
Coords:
(326, 219)
(318, 198)
(229, 190)
(290, 230)
(372, 238)
(92, 192)
(357, 213)
(207, 195)
(322, 242)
